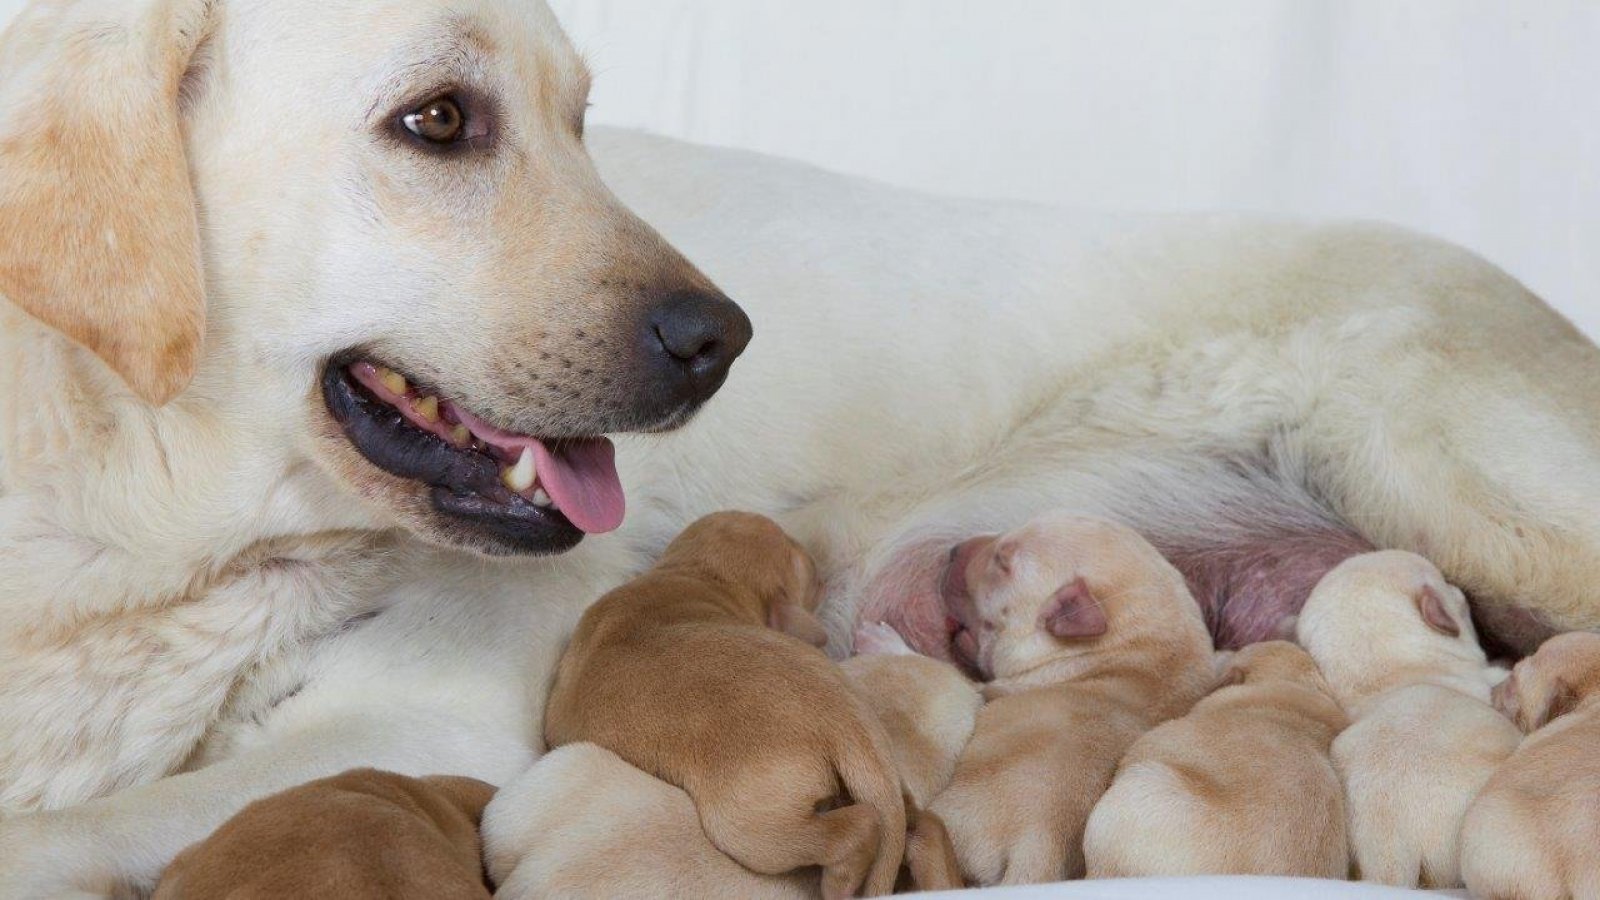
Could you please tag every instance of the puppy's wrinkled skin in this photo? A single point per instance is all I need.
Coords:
(1089, 638)
(1397, 645)
(1242, 785)
(1532, 832)
(362, 835)
(680, 673)
(584, 823)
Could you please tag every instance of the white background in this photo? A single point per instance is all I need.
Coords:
(1478, 120)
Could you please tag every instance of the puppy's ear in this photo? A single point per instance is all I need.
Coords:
(1430, 604)
(1073, 612)
(98, 234)
(798, 622)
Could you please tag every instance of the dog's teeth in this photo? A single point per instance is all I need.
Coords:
(394, 381)
(520, 476)
(460, 436)
(540, 498)
(427, 408)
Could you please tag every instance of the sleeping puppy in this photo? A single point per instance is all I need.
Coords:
(1396, 644)
(927, 705)
(361, 834)
(928, 708)
(1242, 785)
(1089, 639)
(1534, 831)
(681, 673)
(584, 823)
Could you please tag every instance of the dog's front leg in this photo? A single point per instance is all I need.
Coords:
(120, 844)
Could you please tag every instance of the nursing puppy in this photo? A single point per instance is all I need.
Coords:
(928, 709)
(927, 706)
(1397, 645)
(681, 673)
(1089, 638)
(1242, 785)
(361, 834)
(1532, 833)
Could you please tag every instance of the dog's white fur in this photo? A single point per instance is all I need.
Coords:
(1423, 738)
(185, 625)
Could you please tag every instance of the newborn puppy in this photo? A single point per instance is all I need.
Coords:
(1396, 644)
(362, 834)
(1090, 639)
(1242, 785)
(928, 707)
(681, 673)
(583, 823)
(1534, 831)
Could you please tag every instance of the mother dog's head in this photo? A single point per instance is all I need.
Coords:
(370, 221)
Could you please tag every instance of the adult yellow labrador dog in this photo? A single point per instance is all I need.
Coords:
(317, 316)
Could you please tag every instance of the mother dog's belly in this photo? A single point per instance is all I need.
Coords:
(1248, 588)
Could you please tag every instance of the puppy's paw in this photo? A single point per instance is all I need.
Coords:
(881, 638)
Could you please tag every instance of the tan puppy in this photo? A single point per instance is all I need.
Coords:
(928, 707)
(1242, 785)
(1397, 646)
(680, 673)
(1090, 639)
(361, 834)
(584, 823)
(1534, 831)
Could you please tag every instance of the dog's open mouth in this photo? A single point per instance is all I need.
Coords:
(547, 493)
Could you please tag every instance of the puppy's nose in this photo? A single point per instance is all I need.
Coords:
(696, 337)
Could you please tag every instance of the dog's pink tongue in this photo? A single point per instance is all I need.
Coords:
(581, 478)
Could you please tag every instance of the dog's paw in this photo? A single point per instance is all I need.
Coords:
(880, 637)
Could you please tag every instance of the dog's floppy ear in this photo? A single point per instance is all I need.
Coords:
(1430, 604)
(98, 233)
(1073, 612)
(798, 622)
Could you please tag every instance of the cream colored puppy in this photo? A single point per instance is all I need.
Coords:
(1089, 638)
(584, 823)
(1397, 645)
(928, 707)
(1242, 785)
(1534, 831)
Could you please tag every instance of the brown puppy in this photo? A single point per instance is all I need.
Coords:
(1091, 639)
(361, 834)
(1534, 831)
(1242, 785)
(680, 673)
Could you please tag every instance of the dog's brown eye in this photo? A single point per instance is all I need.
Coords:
(437, 121)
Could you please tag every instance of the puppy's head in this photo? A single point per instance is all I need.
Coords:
(755, 558)
(1271, 661)
(1556, 680)
(364, 231)
(1062, 583)
(1381, 612)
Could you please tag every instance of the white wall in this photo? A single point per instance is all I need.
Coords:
(1474, 119)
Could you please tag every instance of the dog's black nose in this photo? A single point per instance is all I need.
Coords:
(696, 337)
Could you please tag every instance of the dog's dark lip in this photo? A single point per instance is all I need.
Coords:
(465, 483)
